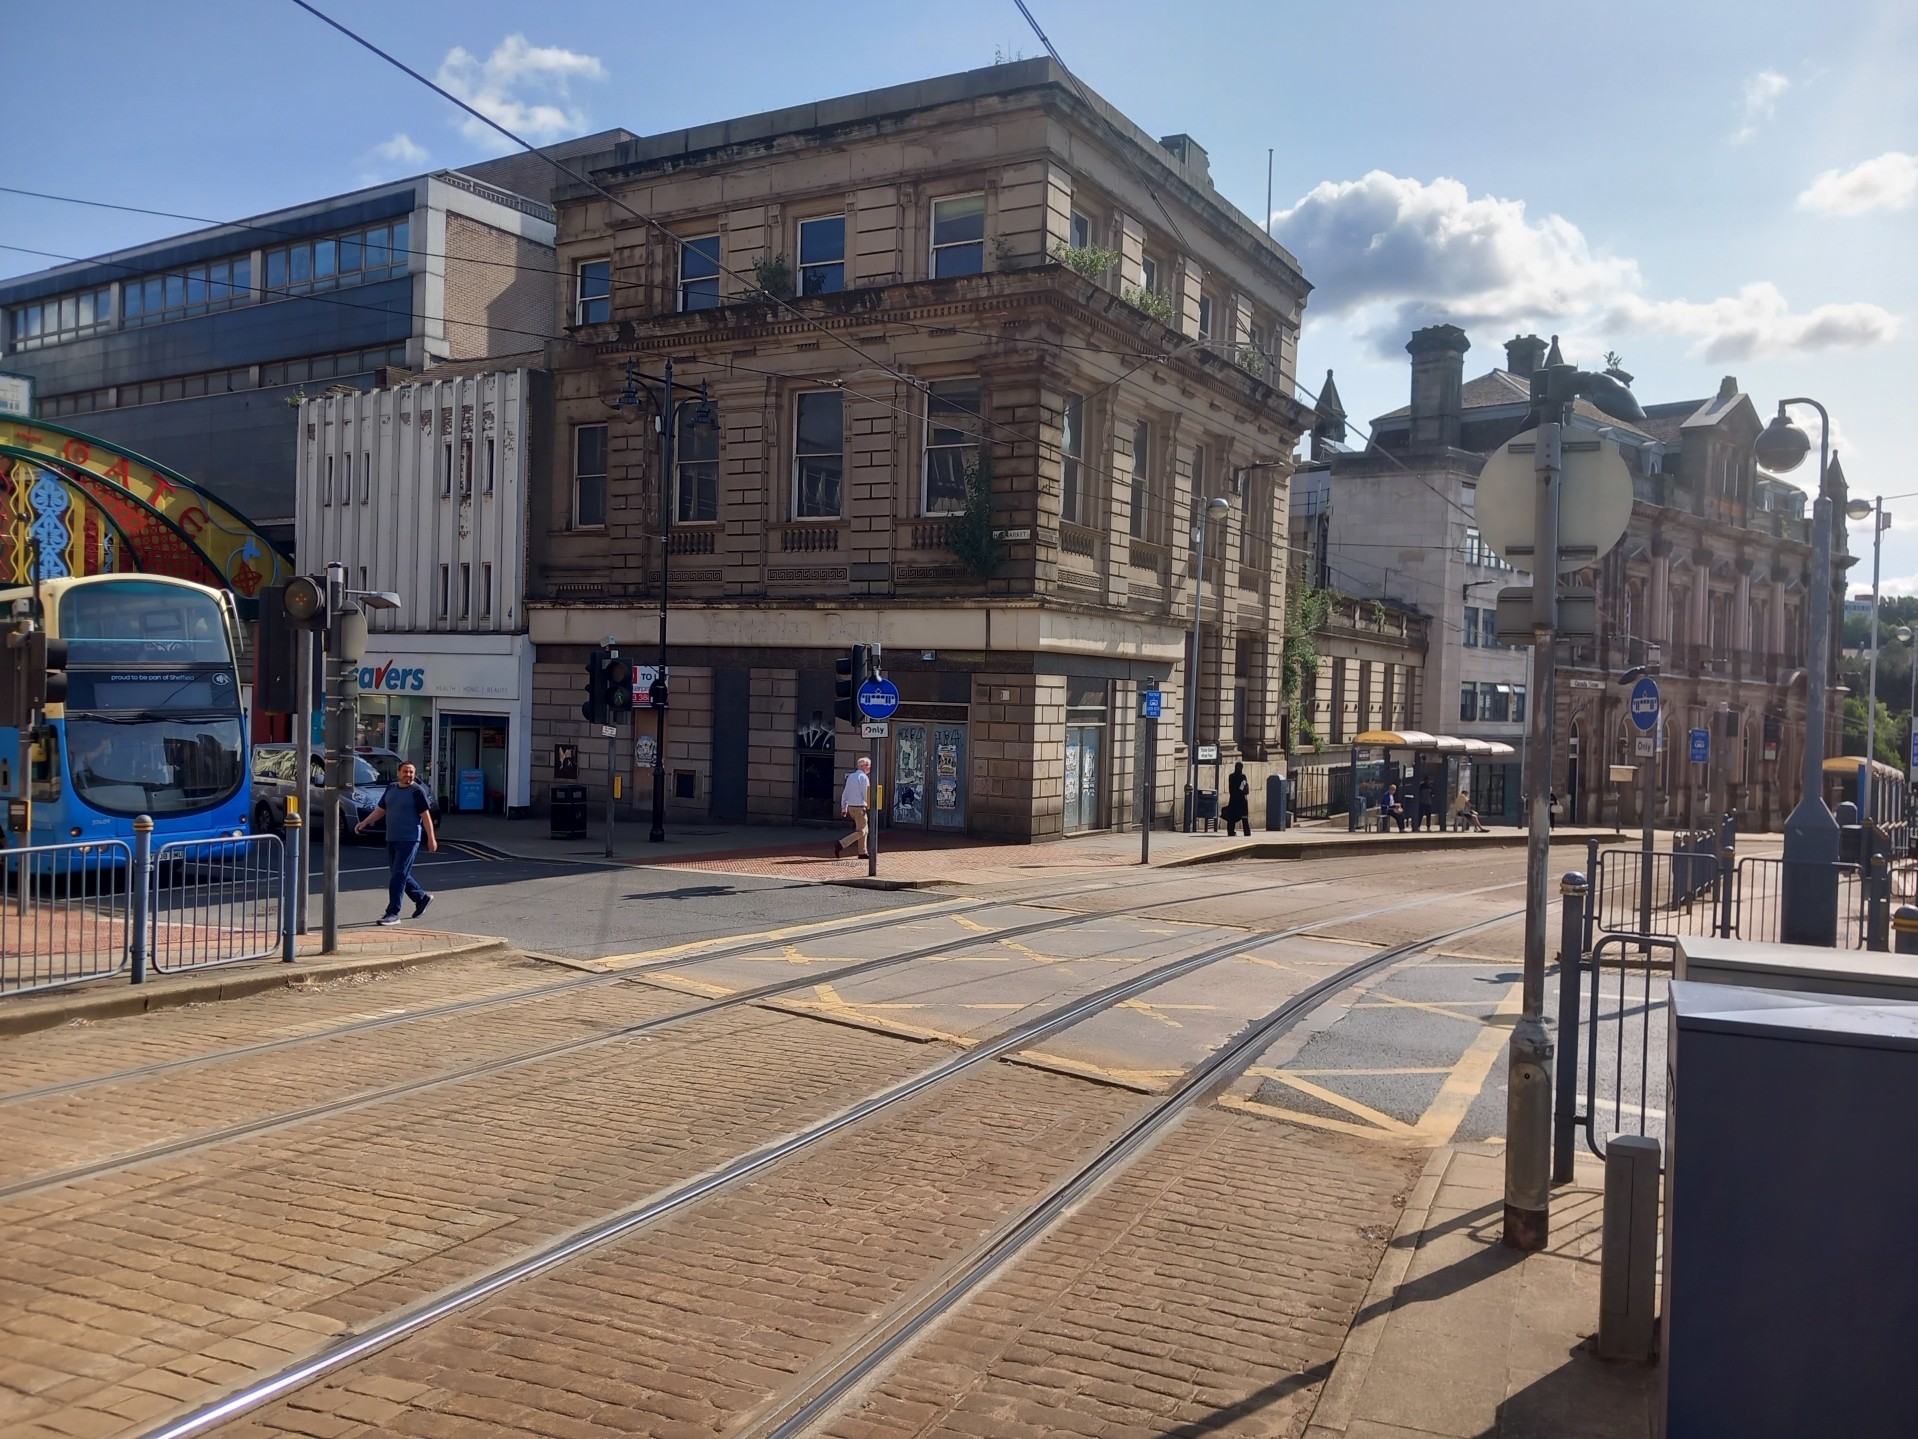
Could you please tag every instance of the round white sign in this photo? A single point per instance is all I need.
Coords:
(1594, 499)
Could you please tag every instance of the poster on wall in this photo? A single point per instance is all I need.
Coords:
(909, 775)
(948, 810)
(1072, 771)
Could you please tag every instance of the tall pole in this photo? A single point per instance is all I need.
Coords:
(612, 766)
(1865, 813)
(303, 651)
(1528, 1113)
(342, 681)
(1808, 898)
(667, 437)
(1192, 681)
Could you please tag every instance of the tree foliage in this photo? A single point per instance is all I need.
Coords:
(1306, 610)
(969, 533)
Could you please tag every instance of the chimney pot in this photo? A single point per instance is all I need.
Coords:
(1438, 374)
(1524, 354)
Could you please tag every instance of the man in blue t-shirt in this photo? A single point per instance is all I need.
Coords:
(408, 810)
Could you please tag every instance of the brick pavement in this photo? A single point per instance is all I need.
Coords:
(194, 1273)
(1205, 1291)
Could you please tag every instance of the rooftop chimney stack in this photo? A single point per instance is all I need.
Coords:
(1523, 355)
(1438, 372)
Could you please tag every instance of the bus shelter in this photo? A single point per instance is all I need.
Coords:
(1412, 758)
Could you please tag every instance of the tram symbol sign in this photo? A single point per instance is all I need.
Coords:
(878, 699)
(1151, 704)
(1645, 703)
(1701, 746)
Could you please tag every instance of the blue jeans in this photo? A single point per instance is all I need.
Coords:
(399, 859)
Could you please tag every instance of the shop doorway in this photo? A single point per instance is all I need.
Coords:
(1085, 745)
(476, 762)
(817, 799)
(928, 776)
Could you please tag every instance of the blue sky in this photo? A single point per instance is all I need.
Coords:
(1707, 188)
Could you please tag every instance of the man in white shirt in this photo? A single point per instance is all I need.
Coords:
(852, 804)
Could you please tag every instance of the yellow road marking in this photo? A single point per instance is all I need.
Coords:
(1439, 1069)
(830, 1003)
(1158, 1011)
(1317, 1121)
(1351, 1106)
(1442, 1117)
(971, 924)
(1447, 1007)
(1035, 956)
(789, 931)
(1150, 1080)
(1288, 964)
(686, 984)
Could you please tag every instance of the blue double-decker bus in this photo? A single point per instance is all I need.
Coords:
(151, 723)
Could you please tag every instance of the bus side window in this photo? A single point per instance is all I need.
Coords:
(44, 773)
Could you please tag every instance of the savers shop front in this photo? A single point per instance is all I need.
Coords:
(460, 707)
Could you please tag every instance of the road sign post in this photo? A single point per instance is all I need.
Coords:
(1151, 706)
(878, 700)
(1644, 708)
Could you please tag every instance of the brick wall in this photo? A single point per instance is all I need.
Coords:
(493, 308)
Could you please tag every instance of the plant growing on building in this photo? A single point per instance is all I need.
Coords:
(1378, 613)
(969, 533)
(1092, 261)
(773, 277)
(1306, 610)
(1158, 306)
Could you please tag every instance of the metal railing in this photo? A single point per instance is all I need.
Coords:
(78, 912)
(66, 916)
(1625, 994)
(215, 901)
(1680, 888)
(1757, 901)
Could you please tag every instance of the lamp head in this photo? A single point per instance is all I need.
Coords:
(1218, 507)
(1783, 445)
(1633, 675)
(1904, 634)
(1615, 398)
(1857, 509)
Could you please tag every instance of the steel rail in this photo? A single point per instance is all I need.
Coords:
(833, 1378)
(411, 1321)
(504, 1064)
(726, 949)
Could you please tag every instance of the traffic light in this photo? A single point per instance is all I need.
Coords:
(595, 706)
(46, 670)
(849, 674)
(305, 602)
(618, 681)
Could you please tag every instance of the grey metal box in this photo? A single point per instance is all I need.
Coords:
(1791, 1258)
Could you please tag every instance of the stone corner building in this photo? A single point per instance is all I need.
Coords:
(990, 274)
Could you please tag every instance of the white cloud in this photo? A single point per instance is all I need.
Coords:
(401, 150)
(1889, 182)
(1394, 254)
(1755, 323)
(498, 87)
(1761, 99)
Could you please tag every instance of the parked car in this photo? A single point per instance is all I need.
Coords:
(386, 764)
(275, 770)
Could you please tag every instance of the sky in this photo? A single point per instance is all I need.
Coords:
(1718, 187)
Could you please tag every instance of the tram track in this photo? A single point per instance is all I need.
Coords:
(503, 1064)
(723, 949)
(824, 1383)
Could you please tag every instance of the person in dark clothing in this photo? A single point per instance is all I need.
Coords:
(408, 811)
(1390, 810)
(1428, 805)
(1238, 801)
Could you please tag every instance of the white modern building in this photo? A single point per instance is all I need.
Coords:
(421, 489)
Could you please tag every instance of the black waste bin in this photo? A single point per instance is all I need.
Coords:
(569, 811)
(1208, 807)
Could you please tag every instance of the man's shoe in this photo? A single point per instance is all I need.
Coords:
(389, 919)
(419, 905)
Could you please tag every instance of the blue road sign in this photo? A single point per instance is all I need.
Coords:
(1912, 763)
(1645, 703)
(1151, 703)
(878, 699)
(1701, 746)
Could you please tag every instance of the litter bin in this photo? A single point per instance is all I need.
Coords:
(1207, 808)
(569, 811)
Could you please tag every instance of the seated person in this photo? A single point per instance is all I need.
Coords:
(1467, 816)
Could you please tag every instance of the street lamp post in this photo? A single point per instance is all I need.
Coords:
(1218, 507)
(1528, 1107)
(1904, 634)
(1808, 898)
(1875, 511)
(666, 416)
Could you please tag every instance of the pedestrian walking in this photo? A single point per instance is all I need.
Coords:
(1238, 801)
(852, 804)
(408, 812)
(1428, 806)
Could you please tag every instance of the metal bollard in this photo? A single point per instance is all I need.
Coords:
(1571, 961)
(1628, 1259)
(1878, 891)
(140, 882)
(289, 884)
(1904, 928)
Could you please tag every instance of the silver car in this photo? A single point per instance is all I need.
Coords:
(275, 767)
